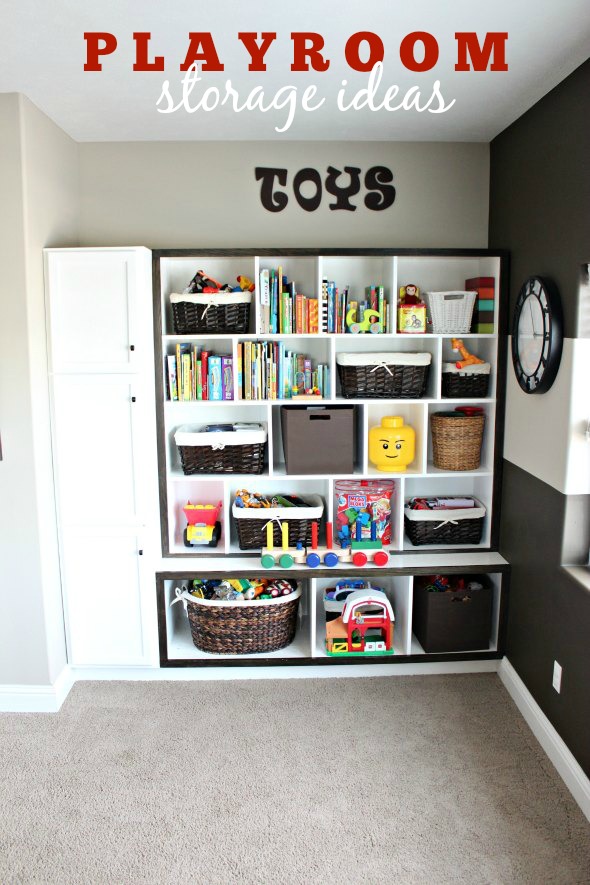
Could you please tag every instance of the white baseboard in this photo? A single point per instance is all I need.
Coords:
(49, 698)
(203, 674)
(36, 698)
(567, 767)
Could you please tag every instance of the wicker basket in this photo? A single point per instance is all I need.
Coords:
(243, 627)
(383, 375)
(450, 312)
(456, 440)
(461, 526)
(251, 523)
(238, 451)
(194, 314)
(470, 382)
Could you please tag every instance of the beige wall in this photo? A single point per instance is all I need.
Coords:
(39, 184)
(173, 194)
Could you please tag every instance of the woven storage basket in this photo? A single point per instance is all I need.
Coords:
(251, 523)
(461, 526)
(383, 375)
(450, 312)
(456, 440)
(211, 313)
(472, 381)
(243, 627)
(238, 451)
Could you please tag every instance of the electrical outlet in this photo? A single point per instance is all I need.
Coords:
(557, 677)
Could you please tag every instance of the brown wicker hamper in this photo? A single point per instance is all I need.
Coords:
(470, 382)
(243, 627)
(239, 451)
(251, 523)
(462, 526)
(215, 314)
(383, 375)
(456, 440)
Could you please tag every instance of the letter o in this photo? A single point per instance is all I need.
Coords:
(406, 51)
(351, 50)
(310, 204)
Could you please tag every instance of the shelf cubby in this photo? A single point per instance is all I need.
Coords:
(435, 271)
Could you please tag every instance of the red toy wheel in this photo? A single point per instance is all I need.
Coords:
(359, 558)
(381, 557)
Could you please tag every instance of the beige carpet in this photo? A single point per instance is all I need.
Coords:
(397, 780)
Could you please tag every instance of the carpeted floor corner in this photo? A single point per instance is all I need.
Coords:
(402, 780)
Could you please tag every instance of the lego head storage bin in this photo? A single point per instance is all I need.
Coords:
(318, 439)
(383, 375)
(451, 613)
(210, 312)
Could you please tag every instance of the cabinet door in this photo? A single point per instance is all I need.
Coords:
(105, 613)
(92, 304)
(97, 449)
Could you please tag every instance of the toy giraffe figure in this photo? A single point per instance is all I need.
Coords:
(467, 359)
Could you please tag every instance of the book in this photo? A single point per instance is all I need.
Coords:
(172, 387)
(204, 373)
(265, 300)
(240, 372)
(227, 377)
(199, 373)
(214, 378)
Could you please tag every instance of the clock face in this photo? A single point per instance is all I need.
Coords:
(537, 335)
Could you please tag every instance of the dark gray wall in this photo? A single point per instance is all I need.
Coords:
(549, 613)
(540, 191)
(540, 211)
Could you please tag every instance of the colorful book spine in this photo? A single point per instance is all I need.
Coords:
(324, 305)
(265, 300)
(199, 373)
(204, 373)
(381, 308)
(215, 378)
(172, 386)
(240, 378)
(247, 370)
(227, 377)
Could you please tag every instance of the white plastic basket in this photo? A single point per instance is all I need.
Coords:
(450, 312)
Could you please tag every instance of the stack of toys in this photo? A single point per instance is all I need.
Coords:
(201, 283)
(411, 312)
(482, 320)
(241, 589)
(363, 503)
(359, 619)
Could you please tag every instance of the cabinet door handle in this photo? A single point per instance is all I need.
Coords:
(140, 552)
(133, 399)
(132, 347)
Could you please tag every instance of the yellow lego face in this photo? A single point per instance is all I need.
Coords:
(391, 449)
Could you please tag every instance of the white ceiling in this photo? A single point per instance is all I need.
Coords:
(42, 53)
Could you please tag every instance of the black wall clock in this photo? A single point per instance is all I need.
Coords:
(537, 335)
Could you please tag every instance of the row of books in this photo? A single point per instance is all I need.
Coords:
(194, 373)
(285, 311)
(340, 310)
(267, 370)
